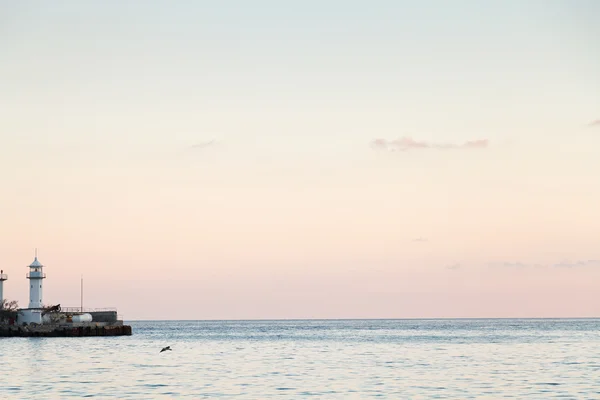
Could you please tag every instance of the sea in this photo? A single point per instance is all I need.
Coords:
(323, 359)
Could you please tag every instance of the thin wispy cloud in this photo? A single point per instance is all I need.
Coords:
(408, 143)
(509, 264)
(203, 145)
(595, 123)
(577, 264)
(453, 267)
(420, 239)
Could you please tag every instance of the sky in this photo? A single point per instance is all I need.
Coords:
(314, 159)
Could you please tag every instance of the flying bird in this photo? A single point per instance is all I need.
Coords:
(166, 348)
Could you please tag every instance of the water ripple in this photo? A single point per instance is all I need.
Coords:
(466, 359)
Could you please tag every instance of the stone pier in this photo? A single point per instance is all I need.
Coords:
(79, 330)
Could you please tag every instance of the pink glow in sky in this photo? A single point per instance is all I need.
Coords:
(303, 161)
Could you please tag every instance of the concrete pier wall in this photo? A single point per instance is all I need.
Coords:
(65, 331)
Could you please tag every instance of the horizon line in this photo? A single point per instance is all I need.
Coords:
(361, 319)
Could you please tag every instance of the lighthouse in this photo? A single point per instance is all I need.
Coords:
(36, 278)
(3, 277)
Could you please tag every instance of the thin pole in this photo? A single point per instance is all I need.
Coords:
(82, 293)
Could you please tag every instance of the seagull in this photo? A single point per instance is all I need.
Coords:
(165, 349)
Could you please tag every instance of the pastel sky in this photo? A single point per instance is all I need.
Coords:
(316, 159)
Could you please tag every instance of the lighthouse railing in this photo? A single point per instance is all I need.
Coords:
(36, 275)
(78, 309)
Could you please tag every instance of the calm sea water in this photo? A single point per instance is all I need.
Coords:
(397, 359)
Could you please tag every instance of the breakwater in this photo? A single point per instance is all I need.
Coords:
(65, 331)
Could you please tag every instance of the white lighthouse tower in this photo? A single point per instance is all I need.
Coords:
(3, 277)
(36, 278)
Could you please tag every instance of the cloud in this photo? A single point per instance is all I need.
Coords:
(408, 143)
(203, 145)
(575, 264)
(509, 264)
(420, 239)
(594, 123)
(454, 267)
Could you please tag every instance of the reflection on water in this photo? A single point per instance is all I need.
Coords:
(398, 359)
